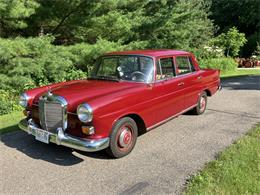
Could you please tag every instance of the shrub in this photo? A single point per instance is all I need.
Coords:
(256, 54)
(231, 41)
(208, 52)
(32, 62)
(8, 102)
(84, 55)
(35, 61)
(224, 64)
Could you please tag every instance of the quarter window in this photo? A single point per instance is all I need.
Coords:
(165, 69)
(184, 65)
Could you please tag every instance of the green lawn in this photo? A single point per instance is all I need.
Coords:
(9, 122)
(241, 72)
(236, 170)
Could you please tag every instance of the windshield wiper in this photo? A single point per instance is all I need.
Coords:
(107, 78)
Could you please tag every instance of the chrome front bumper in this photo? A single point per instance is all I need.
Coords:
(64, 139)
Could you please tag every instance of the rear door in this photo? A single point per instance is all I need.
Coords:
(191, 79)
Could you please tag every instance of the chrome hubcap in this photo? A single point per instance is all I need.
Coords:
(125, 138)
(202, 103)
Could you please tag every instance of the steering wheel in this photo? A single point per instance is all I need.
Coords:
(136, 74)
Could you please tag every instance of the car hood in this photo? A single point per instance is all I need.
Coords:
(77, 92)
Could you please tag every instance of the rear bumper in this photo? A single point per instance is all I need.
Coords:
(64, 139)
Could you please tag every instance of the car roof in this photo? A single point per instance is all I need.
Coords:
(152, 53)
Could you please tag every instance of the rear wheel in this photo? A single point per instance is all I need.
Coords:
(201, 105)
(122, 138)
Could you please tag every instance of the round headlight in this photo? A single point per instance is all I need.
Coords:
(23, 101)
(85, 113)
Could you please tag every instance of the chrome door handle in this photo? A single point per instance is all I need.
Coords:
(181, 83)
(199, 77)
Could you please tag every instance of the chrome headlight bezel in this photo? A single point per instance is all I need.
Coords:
(85, 113)
(23, 100)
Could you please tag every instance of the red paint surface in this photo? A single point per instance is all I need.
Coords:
(110, 100)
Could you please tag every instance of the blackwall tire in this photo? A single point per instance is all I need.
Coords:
(201, 105)
(122, 138)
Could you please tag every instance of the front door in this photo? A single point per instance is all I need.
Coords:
(167, 89)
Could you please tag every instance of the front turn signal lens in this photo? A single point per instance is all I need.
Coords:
(88, 130)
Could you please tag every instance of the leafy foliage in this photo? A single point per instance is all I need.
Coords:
(182, 24)
(222, 63)
(46, 41)
(242, 14)
(35, 61)
(8, 102)
(13, 14)
(32, 62)
(231, 41)
(256, 53)
(178, 24)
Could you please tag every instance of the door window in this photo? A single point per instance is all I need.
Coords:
(184, 65)
(165, 69)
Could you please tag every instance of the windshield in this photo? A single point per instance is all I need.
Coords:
(128, 68)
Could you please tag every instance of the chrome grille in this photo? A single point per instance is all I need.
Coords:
(53, 115)
(52, 112)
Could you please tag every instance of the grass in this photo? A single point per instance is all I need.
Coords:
(236, 170)
(9, 122)
(241, 72)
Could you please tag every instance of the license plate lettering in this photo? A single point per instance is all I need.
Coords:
(42, 136)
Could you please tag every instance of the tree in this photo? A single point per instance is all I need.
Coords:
(87, 21)
(181, 24)
(243, 14)
(256, 53)
(231, 41)
(13, 14)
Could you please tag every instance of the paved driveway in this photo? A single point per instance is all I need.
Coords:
(161, 162)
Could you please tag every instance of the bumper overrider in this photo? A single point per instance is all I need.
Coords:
(61, 138)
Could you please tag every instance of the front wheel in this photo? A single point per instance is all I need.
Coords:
(123, 138)
(201, 105)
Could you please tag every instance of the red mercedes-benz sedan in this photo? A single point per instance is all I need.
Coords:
(126, 94)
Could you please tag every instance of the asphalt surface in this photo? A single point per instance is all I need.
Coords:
(161, 162)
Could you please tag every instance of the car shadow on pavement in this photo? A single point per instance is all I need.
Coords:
(52, 153)
(242, 83)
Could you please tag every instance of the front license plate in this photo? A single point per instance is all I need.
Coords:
(42, 135)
